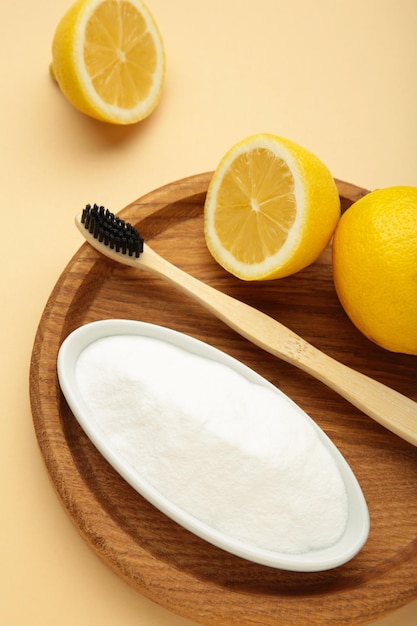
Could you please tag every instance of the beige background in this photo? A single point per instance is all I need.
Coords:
(338, 76)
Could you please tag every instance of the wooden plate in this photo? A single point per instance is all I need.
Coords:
(153, 554)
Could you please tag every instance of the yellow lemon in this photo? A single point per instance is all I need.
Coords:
(271, 208)
(108, 59)
(375, 267)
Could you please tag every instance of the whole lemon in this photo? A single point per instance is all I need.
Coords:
(375, 267)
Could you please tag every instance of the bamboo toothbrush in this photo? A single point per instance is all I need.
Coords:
(121, 242)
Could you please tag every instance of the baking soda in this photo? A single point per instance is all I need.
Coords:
(234, 454)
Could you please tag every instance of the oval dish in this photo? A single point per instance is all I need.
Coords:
(344, 549)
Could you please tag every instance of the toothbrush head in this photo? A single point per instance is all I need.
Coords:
(111, 230)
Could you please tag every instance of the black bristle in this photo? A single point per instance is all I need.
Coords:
(111, 230)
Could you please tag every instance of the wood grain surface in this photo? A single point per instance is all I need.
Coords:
(162, 560)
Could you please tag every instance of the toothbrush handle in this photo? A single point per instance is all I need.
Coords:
(389, 408)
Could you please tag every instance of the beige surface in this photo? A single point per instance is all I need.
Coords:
(337, 76)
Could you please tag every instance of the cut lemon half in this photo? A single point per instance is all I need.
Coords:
(271, 208)
(109, 60)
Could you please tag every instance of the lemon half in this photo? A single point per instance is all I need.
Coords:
(109, 60)
(271, 208)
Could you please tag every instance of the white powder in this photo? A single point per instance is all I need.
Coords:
(231, 453)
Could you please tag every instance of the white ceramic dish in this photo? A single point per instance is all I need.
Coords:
(357, 529)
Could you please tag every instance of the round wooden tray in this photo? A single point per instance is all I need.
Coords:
(153, 554)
